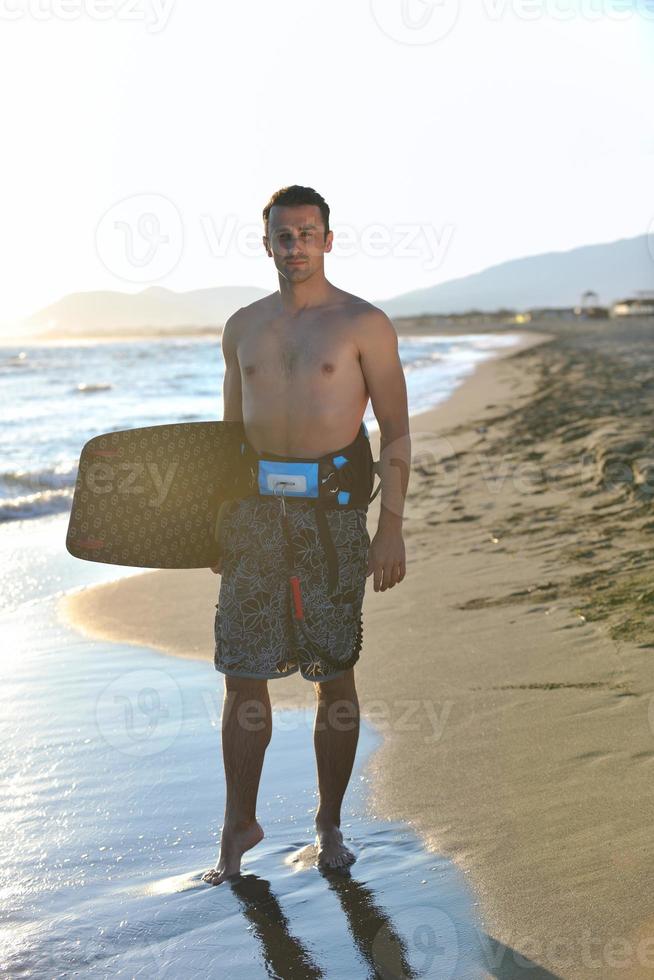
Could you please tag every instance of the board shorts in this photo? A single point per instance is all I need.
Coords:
(255, 633)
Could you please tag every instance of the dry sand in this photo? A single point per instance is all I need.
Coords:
(511, 671)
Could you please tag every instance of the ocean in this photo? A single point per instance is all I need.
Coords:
(56, 397)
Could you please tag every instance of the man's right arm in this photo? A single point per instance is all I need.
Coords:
(232, 395)
(232, 400)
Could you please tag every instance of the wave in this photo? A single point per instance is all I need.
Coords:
(33, 494)
(35, 505)
(59, 478)
(418, 363)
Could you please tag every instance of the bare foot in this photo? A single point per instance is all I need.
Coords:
(332, 852)
(233, 843)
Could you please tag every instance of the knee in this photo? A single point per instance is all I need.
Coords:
(340, 689)
(247, 703)
(250, 686)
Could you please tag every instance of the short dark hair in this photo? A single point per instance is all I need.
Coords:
(296, 194)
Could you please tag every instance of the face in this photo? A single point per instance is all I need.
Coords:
(296, 240)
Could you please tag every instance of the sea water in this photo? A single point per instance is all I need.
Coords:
(54, 398)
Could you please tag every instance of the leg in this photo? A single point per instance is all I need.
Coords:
(246, 732)
(335, 738)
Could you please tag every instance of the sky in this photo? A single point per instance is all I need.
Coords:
(142, 138)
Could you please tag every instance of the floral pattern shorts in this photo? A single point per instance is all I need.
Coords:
(255, 632)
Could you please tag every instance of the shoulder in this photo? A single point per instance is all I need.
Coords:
(229, 332)
(254, 309)
(241, 318)
(372, 327)
(362, 313)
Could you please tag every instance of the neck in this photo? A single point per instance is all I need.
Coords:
(296, 296)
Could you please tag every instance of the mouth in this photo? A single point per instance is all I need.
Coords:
(296, 262)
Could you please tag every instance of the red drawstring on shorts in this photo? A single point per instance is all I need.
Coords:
(297, 597)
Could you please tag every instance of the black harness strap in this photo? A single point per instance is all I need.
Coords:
(294, 603)
(328, 547)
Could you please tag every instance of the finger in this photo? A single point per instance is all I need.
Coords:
(379, 571)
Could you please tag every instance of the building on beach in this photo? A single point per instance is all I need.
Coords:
(642, 304)
(589, 308)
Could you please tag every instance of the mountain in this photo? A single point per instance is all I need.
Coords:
(613, 270)
(108, 312)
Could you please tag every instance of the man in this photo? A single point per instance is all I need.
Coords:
(300, 365)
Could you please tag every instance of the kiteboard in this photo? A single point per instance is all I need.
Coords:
(154, 496)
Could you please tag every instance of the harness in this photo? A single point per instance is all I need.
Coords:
(341, 480)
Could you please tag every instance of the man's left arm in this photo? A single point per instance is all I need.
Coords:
(384, 376)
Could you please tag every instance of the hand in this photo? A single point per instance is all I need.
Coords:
(387, 559)
(218, 569)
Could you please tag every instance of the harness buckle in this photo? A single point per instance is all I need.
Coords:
(279, 487)
(325, 482)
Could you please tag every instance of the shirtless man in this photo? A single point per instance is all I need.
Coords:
(300, 365)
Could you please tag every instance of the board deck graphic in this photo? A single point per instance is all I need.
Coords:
(151, 496)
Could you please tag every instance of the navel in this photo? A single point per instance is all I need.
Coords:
(328, 367)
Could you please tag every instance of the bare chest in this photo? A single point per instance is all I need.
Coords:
(273, 352)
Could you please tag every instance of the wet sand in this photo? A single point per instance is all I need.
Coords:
(510, 673)
(113, 808)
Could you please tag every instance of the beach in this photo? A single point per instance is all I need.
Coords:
(510, 672)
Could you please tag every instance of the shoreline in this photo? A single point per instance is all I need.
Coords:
(405, 327)
(513, 642)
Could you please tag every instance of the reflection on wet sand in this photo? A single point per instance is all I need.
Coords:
(285, 955)
(283, 952)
